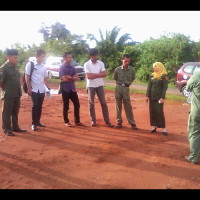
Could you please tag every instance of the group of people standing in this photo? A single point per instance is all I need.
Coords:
(37, 83)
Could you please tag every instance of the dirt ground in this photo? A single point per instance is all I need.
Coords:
(59, 157)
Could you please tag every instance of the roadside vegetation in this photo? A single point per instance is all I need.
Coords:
(172, 49)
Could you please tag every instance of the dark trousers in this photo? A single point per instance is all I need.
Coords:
(37, 99)
(66, 96)
(10, 111)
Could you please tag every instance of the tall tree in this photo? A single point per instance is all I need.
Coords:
(56, 31)
(110, 47)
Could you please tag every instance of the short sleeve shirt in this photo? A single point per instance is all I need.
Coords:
(10, 77)
(70, 71)
(37, 77)
(123, 76)
(97, 67)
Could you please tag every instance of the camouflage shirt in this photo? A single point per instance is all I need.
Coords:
(10, 79)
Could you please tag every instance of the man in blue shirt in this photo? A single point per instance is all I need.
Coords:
(68, 76)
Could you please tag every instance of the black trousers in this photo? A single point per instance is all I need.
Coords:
(66, 96)
(37, 100)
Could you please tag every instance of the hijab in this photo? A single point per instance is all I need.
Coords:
(161, 70)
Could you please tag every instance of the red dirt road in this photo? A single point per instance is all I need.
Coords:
(59, 157)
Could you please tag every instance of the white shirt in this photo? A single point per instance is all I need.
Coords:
(37, 77)
(97, 67)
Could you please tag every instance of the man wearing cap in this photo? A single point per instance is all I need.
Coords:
(11, 93)
(95, 71)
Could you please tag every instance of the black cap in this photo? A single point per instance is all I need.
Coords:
(12, 52)
(93, 52)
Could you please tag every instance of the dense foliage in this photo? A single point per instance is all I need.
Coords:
(172, 49)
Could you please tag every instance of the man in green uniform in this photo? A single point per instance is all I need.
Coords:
(11, 93)
(193, 85)
(124, 76)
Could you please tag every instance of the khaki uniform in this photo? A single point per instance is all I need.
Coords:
(11, 93)
(156, 90)
(193, 85)
(123, 79)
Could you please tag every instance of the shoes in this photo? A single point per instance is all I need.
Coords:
(68, 124)
(165, 133)
(119, 125)
(93, 123)
(187, 158)
(80, 124)
(109, 124)
(153, 130)
(40, 125)
(34, 127)
(9, 133)
(19, 130)
(134, 127)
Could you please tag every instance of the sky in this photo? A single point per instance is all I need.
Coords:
(22, 26)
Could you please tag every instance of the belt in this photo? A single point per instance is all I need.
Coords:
(123, 84)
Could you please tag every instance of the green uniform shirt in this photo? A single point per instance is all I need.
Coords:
(157, 87)
(193, 85)
(123, 76)
(10, 77)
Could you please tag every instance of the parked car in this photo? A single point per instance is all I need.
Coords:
(53, 65)
(184, 74)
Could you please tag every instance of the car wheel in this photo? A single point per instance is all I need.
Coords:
(184, 91)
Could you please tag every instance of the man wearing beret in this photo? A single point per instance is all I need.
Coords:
(11, 93)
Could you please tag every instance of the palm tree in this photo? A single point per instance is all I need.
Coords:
(109, 47)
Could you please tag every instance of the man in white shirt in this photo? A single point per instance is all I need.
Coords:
(95, 71)
(37, 87)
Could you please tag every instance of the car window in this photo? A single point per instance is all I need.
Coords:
(189, 69)
(197, 69)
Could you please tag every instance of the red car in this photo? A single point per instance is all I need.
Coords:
(184, 74)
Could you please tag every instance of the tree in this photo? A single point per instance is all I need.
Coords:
(172, 50)
(56, 31)
(109, 47)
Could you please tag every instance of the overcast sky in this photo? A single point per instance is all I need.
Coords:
(23, 26)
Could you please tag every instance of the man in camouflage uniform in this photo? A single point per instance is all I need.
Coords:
(193, 85)
(11, 93)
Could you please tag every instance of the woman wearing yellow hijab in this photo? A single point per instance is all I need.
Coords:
(156, 91)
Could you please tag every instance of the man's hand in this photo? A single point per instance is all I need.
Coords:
(29, 92)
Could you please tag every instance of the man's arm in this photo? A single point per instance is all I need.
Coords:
(96, 75)
(28, 83)
(68, 78)
(46, 82)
